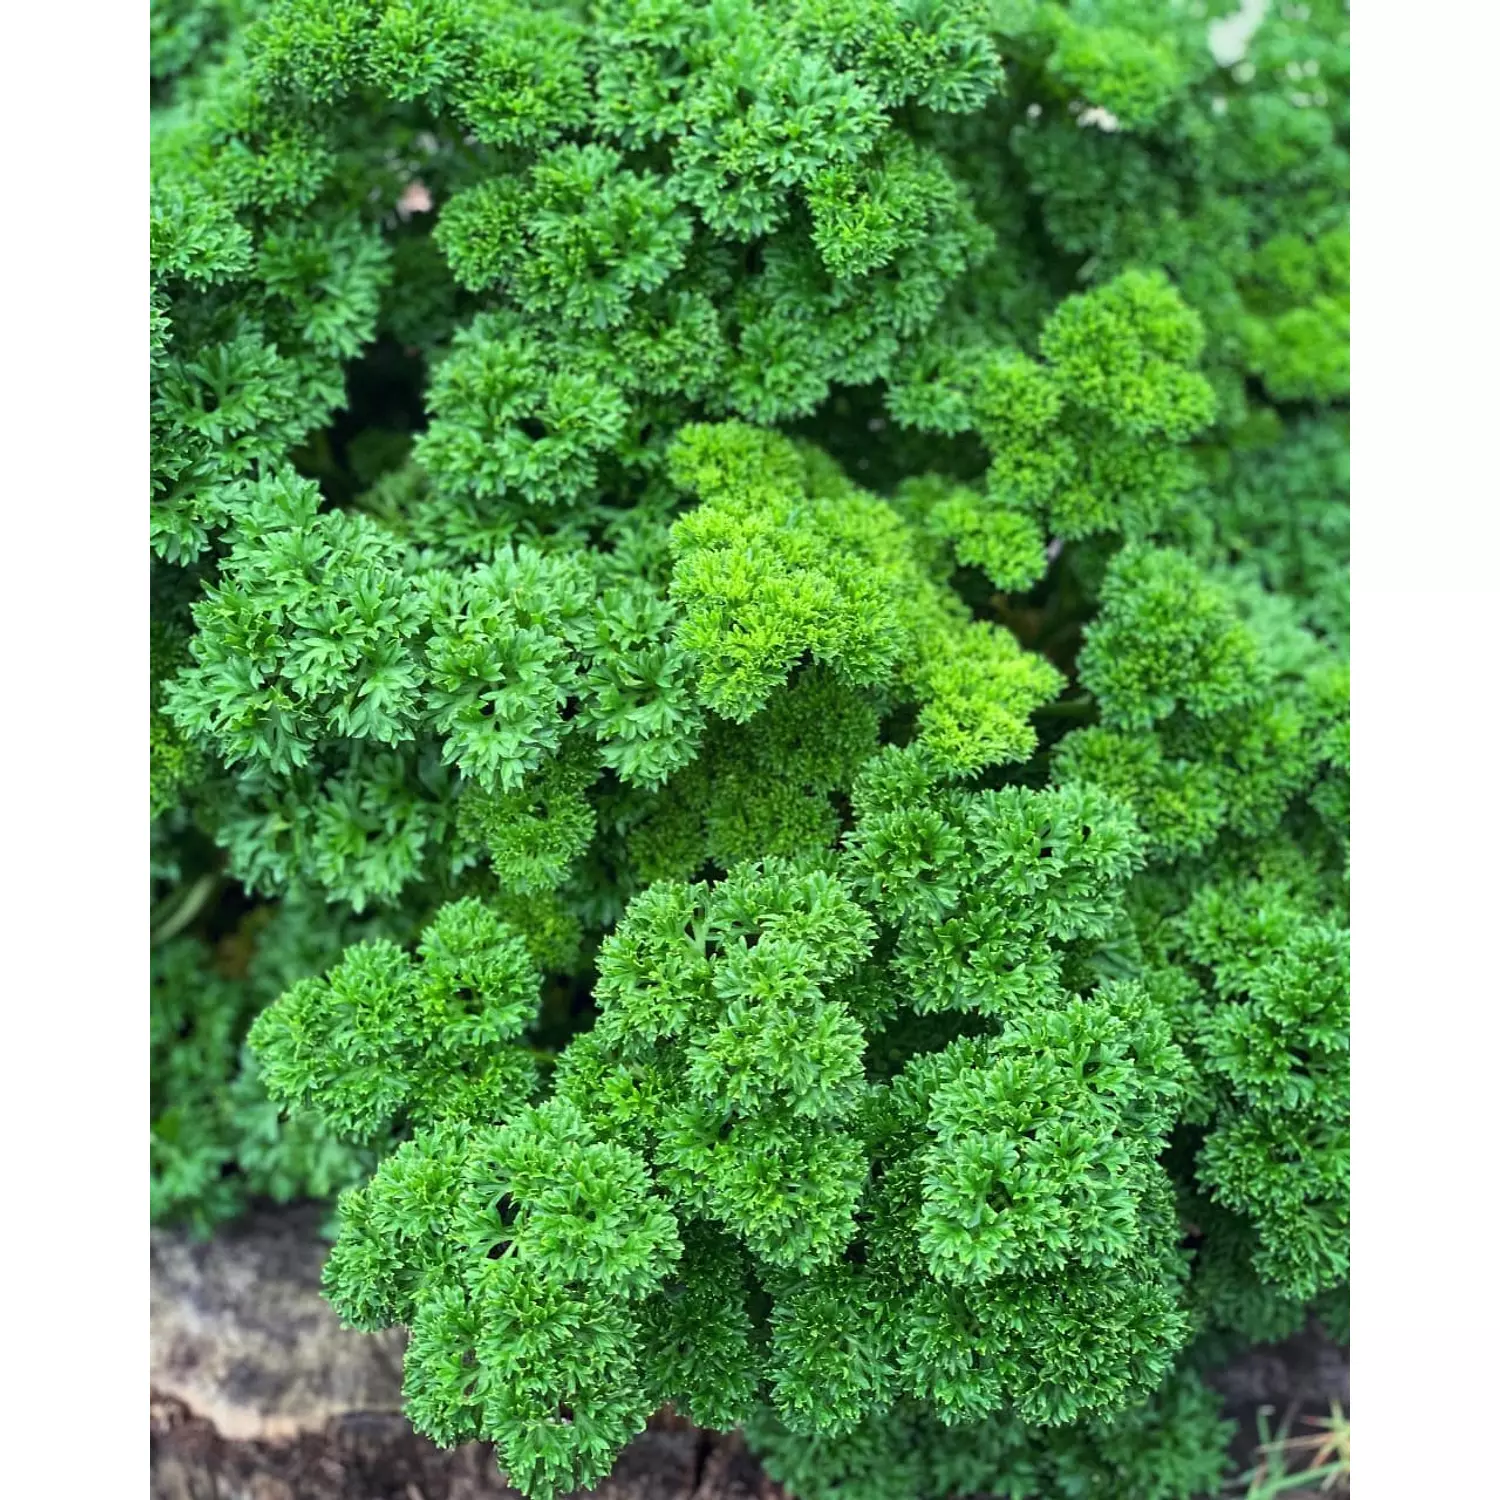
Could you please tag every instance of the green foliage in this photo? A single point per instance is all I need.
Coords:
(1088, 438)
(1006, 545)
(517, 414)
(891, 1216)
(982, 887)
(767, 786)
(1244, 918)
(1279, 506)
(750, 707)
(1169, 1446)
(1275, 1049)
(784, 559)
(306, 635)
(1165, 639)
(1297, 333)
(217, 1141)
(188, 34)
(1218, 711)
(384, 1041)
(516, 1255)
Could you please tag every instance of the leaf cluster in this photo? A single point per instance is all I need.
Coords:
(845, 1228)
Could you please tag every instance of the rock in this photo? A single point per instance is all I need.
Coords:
(241, 1335)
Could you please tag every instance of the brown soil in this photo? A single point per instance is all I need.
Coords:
(376, 1456)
